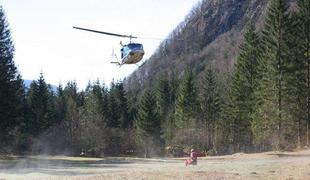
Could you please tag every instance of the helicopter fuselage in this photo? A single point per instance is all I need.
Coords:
(132, 53)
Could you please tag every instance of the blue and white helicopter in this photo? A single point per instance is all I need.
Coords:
(131, 53)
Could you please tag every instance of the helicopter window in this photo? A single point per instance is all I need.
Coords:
(138, 46)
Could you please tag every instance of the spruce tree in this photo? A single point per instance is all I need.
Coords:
(163, 95)
(147, 124)
(71, 90)
(93, 122)
(186, 102)
(113, 108)
(297, 73)
(125, 121)
(118, 111)
(41, 107)
(270, 111)
(210, 105)
(245, 80)
(72, 122)
(11, 84)
(60, 104)
(303, 26)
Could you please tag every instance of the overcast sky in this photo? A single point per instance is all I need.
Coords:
(46, 42)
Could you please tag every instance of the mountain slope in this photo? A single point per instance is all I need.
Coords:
(210, 34)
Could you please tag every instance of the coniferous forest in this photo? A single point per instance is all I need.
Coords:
(262, 104)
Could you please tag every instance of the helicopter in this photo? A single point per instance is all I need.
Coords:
(131, 53)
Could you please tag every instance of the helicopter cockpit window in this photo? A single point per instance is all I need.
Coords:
(135, 46)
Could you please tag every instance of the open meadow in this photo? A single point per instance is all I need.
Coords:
(270, 165)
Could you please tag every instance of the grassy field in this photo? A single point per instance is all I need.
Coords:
(271, 165)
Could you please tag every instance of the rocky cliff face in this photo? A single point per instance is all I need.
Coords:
(210, 34)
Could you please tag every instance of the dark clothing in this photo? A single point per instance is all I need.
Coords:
(193, 158)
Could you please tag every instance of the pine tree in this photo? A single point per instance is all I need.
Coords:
(11, 85)
(186, 102)
(245, 80)
(270, 111)
(148, 123)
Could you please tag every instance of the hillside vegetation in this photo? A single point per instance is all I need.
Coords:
(233, 77)
(210, 34)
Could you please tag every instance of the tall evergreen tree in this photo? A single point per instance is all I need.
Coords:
(163, 95)
(270, 111)
(186, 102)
(125, 121)
(60, 104)
(210, 105)
(113, 108)
(245, 81)
(71, 90)
(98, 92)
(148, 123)
(118, 115)
(297, 71)
(93, 122)
(304, 44)
(72, 122)
(11, 84)
(41, 107)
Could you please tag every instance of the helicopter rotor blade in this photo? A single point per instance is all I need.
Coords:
(106, 33)
(160, 39)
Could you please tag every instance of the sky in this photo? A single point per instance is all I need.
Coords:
(45, 41)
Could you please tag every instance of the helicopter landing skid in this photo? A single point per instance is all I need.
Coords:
(119, 64)
(116, 63)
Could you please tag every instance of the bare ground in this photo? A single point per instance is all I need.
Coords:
(271, 165)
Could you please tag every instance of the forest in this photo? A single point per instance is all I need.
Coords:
(262, 104)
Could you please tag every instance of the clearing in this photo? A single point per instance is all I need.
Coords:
(270, 165)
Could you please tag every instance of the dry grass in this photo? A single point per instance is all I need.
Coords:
(271, 165)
